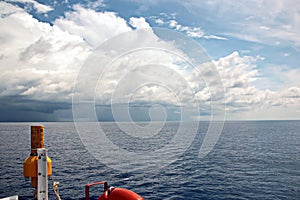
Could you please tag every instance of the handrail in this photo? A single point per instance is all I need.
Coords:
(87, 188)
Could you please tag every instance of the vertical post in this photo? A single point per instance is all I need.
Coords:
(87, 192)
(37, 139)
(42, 186)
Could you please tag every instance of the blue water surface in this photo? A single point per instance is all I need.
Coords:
(252, 160)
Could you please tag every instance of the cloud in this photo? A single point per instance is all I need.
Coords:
(270, 22)
(194, 32)
(214, 37)
(240, 75)
(237, 71)
(143, 61)
(170, 21)
(139, 23)
(264, 22)
(159, 21)
(40, 62)
(94, 27)
(19, 108)
(7, 8)
(290, 77)
(96, 4)
(278, 77)
(40, 8)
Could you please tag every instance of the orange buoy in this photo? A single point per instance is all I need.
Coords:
(30, 164)
(113, 193)
(120, 194)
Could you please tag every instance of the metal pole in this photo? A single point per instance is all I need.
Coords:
(42, 186)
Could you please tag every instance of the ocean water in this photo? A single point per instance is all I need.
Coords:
(252, 160)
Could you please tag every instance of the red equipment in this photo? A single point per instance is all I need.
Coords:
(112, 193)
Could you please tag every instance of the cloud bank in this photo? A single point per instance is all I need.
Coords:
(40, 62)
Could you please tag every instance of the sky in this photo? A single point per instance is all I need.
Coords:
(149, 60)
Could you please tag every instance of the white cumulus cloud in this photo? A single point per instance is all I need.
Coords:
(94, 27)
(139, 23)
(39, 61)
(240, 75)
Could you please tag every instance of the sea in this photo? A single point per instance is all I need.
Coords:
(251, 160)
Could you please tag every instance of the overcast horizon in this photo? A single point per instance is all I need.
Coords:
(52, 57)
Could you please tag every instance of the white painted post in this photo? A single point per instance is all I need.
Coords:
(42, 186)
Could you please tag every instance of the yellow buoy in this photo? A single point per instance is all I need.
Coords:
(30, 164)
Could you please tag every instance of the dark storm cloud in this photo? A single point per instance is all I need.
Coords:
(18, 108)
